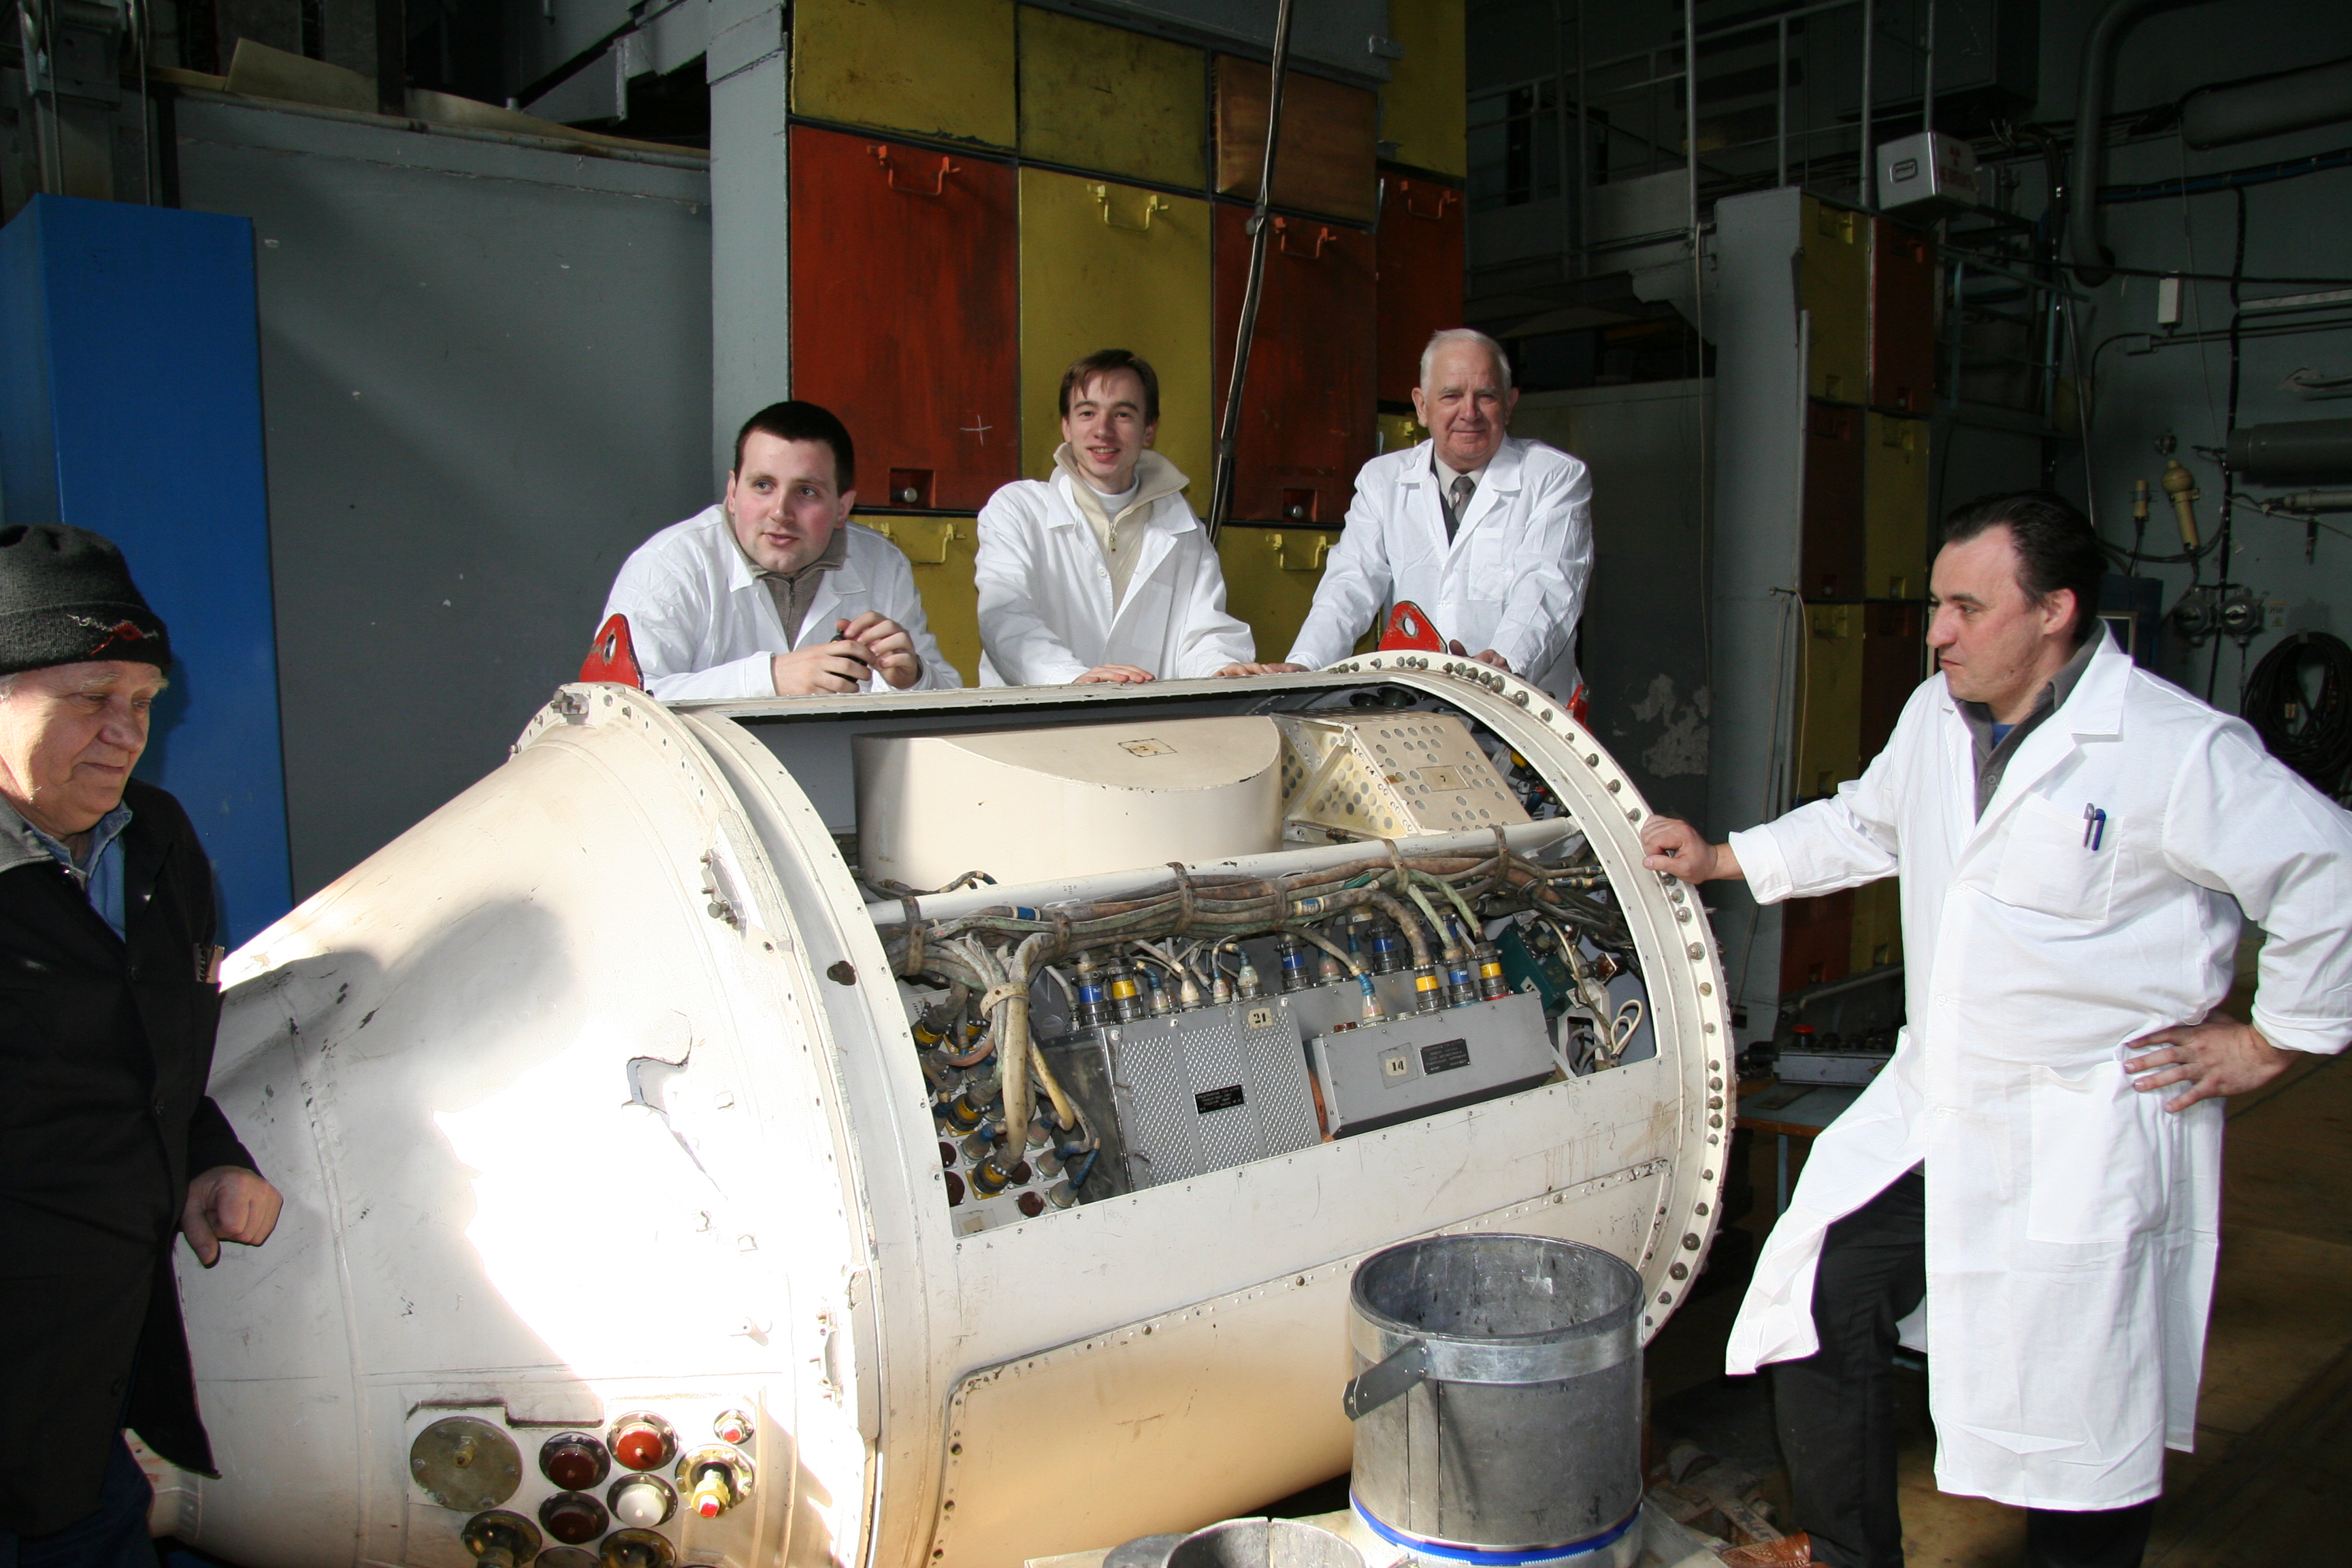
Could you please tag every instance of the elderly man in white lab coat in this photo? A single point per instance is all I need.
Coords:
(1490, 535)
(1102, 572)
(774, 592)
(2039, 1167)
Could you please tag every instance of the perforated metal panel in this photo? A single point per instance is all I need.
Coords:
(1403, 772)
(1209, 1089)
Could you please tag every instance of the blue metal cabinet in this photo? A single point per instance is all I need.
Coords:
(130, 406)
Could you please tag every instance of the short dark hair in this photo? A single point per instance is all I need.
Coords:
(2056, 547)
(798, 421)
(1102, 362)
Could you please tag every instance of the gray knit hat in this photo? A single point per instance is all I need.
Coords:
(67, 598)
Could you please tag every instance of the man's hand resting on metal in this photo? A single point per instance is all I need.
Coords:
(1483, 655)
(1235, 670)
(2221, 1057)
(823, 670)
(1115, 675)
(228, 1203)
(1681, 850)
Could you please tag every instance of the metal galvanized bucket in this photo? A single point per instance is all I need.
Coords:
(1497, 1401)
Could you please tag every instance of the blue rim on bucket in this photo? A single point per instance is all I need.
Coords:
(1478, 1559)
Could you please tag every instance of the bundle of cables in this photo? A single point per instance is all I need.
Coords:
(2299, 699)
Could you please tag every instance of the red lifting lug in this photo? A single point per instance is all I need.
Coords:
(1409, 627)
(612, 657)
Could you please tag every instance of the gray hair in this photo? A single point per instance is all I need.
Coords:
(8, 685)
(1466, 335)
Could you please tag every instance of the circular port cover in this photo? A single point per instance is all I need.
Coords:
(574, 1460)
(641, 1501)
(637, 1549)
(574, 1518)
(642, 1441)
(465, 1464)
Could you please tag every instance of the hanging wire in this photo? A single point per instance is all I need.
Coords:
(1221, 489)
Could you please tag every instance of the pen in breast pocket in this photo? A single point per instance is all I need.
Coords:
(2094, 827)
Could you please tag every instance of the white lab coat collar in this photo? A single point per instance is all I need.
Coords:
(1163, 521)
(1503, 477)
(2092, 710)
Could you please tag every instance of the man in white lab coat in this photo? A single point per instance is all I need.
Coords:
(1102, 572)
(774, 592)
(1490, 535)
(2038, 1166)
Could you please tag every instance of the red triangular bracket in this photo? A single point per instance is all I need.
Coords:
(612, 657)
(1409, 626)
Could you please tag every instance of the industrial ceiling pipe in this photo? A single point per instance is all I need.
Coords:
(2094, 264)
(2273, 106)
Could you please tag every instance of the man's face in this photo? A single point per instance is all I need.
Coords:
(1106, 430)
(783, 501)
(1464, 405)
(68, 737)
(1993, 643)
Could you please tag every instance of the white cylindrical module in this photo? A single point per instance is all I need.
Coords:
(619, 1194)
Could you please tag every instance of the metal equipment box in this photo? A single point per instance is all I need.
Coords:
(1902, 318)
(1830, 1067)
(1324, 162)
(1377, 1074)
(1175, 1097)
(1421, 257)
(1833, 287)
(920, 249)
(1154, 127)
(1834, 557)
(935, 68)
(1894, 507)
(1139, 259)
(1305, 414)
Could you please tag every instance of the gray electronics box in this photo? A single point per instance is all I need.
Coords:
(1176, 1097)
(1830, 1067)
(1416, 1066)
(1925, 174)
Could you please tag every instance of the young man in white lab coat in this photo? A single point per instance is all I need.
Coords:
(2039, 1167)
(1490, 535)
(774, 592)
(1102, 572)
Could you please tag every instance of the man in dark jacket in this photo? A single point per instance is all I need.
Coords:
(109, 1000)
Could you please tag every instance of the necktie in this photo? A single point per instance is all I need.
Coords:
(1463, 485)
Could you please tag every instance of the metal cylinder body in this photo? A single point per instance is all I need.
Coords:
(1519, 1429)
(2301, 451)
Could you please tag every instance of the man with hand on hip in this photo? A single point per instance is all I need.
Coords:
(2040, 1163)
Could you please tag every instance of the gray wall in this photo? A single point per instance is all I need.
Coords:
(2299, 228)
(486, 371)
(1642, 643)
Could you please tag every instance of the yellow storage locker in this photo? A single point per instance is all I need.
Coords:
(1422, 107)
(1399, 431)
(1101, 98)
(1106, 266)
(934, 67)
(942, 550)
(1877, 925)
(1829, 699)
(1270, 578)
(1833, 284)
(1895, 508)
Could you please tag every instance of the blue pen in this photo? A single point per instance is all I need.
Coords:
(2094, 827)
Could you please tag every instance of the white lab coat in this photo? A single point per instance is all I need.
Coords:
(1512, 580)
(1045, 610)
(705, 625)
(2071, 1221)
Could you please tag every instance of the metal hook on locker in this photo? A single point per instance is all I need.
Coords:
(1282, 232)
(1151, 204)
(939, 176)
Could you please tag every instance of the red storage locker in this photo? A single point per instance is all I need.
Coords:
(1421, 267)
(905, 277)
(1894, 658)
(1308, 411)
(1902, 318)
(1832, 560)
(1816, 940)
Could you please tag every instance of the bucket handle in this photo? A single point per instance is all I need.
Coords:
(1376, 1385)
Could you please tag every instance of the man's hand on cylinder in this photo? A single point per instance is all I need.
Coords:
(228, 1203)
(1676, 846)
(2221, 1057)
(825, 668)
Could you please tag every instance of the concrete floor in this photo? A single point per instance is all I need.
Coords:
(2273, 1470)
